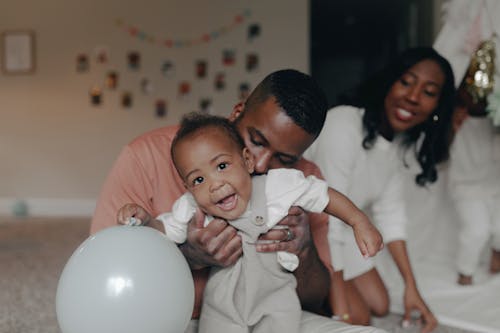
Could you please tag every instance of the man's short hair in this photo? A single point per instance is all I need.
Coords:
(297, 94)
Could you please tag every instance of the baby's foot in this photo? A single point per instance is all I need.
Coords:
(495, 261)
(464, 280)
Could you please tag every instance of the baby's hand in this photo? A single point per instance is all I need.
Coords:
(368, 238)
(133, 214)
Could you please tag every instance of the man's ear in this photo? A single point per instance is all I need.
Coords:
(249, 160)
(237, 111)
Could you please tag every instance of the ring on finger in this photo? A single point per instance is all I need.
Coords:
(289, 235)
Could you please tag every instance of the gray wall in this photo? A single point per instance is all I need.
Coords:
(56, 148)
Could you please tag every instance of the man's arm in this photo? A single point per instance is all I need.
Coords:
(126, 183)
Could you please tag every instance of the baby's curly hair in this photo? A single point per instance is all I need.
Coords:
(193, 122)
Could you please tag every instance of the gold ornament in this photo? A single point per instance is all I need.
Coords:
(479, 79)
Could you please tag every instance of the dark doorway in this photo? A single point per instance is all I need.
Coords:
(350, 39)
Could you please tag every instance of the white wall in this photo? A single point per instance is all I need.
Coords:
(55, 148)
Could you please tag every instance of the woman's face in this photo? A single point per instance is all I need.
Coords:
(414, 96)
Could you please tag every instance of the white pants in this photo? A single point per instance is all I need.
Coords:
(313, 323)
(479, 220)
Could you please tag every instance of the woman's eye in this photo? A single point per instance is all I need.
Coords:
(221, 166)
(198, 180)
(404, 82)
(431, 93)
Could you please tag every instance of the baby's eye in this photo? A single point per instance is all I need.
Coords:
(221, 166)
(198, 180)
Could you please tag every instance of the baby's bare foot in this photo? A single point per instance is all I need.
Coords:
(495, 261)
(464, 280)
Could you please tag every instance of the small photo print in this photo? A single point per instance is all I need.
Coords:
(82, 63)
(95, 96)
(161, 108)
(167, 69)
(206, 105)
(228, 57)
(220, 81)
(101, 54)
(146, 86)
(184, 89)
(112, 80)
(253, 31)
(201, 69)
(243, 91)
(252, 62)
(126, 100)
(134, 60)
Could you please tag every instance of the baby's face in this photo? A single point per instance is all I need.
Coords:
(216, 171)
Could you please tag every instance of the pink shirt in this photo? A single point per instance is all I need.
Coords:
(145, 174)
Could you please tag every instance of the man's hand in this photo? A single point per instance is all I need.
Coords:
(217, 244)
(294, 238)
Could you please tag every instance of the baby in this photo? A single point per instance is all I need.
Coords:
(216, 169)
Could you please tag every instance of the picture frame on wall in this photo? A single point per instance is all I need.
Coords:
(18, 52)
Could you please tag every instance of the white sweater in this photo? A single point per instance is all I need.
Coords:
(475, 158)
(371, 178)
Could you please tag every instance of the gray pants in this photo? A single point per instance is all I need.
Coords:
(256, 294)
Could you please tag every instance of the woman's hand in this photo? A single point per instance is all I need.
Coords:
(413, 301)
(217, 244)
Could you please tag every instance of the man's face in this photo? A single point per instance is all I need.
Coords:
(271, 136)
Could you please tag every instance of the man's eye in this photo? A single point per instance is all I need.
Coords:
(221, 166)
(255, 142)
(198, 180)
(287, 162)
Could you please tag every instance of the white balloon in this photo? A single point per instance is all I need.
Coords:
(126, 280)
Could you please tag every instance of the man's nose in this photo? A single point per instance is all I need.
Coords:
(263, 162)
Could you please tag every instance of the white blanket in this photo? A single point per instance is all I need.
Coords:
(431, 241)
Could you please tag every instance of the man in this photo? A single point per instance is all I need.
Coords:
(279, 121)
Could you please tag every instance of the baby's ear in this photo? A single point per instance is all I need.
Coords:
(249, 160)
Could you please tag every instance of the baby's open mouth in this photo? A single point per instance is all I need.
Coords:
(228, 203)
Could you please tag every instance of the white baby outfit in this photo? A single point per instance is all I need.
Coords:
(255, 294)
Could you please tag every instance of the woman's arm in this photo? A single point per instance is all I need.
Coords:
(412, 298)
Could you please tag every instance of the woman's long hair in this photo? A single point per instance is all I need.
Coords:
(436, 129)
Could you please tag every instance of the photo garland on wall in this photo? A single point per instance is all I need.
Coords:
(174, 42)
(133, 61)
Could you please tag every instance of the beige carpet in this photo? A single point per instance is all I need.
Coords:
(33, 253)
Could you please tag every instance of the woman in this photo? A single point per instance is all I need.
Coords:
(406, 107)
